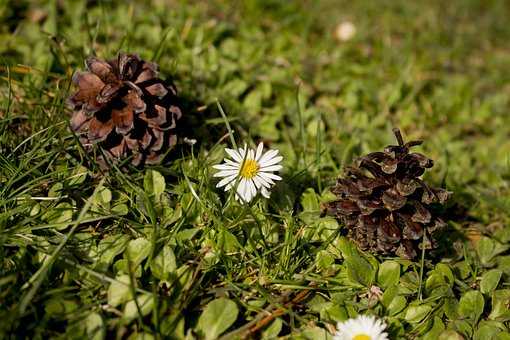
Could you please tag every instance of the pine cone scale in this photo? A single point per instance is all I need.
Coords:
(90, 85)
(123, 120)
(78, 119)
(98, 131)
(393, 200)
(101, 69)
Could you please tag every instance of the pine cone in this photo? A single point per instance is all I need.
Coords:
(124, 107)
(385, 205)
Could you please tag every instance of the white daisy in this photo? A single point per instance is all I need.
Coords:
(251, 169)
(361, 328)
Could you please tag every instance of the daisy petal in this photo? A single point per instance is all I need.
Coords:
(271, 168)
(242, 190)
(264, 182)
(253, 188)
(243, 151)
(247, 191)
(225, 173)
(268, 155)
(271, 161)
(265, 192)
(251, 154)
(225, 181)
(225, 167)
(260, 147)
(234, 154)
(270, 175)
(231, 162)
(257, 183)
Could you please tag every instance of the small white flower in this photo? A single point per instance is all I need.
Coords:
(190, 141)
(251, 169)
(345, 31)
(361, 328)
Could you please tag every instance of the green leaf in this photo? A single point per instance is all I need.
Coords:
(272, 331)
(235, 87)
(503, 235)
(186, 234)
(101, 201)
(314, 333)
(120, 209)
(324, 260)
(95, 326)
(504, 336)
(500, 303)
(434, 281)
(487, 250)
(103, 197)
(62, 213)
(436, 330)
(184, 276)
(397, 305)
(253, 101)
(504, 264)
(463, 327)
(141, 336)
(335, 313)
(450, 335)
(78, 177)
(388, 274)
(164, 263)
(446, 272)
(56, 189)
(35, 210)
(228, 241)
(59, 306)
(450, 308)
(486, 332)
(217, 317)
(137, 250)
(318, 303)
(415, 314)
(471, 305)
(154, 184)
(388, 295)
(145, 302)
(310, 201)
(490, 280)
(119, 291)
(359, 269)
(441, 276)
(109, 247)
(409, 282)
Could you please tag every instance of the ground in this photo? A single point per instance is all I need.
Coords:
(78, 243)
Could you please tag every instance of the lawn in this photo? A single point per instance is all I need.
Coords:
(158, 252)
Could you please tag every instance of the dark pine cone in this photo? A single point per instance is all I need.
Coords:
(384, 203)
(124, 107)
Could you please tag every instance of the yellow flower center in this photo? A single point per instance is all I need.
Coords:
(249, 169)
(361, 337)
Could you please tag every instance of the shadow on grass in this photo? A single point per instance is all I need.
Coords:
(450, 239)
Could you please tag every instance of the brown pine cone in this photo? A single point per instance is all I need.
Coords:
(385, 204)
(124, 107)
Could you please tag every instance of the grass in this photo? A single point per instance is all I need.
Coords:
(160, 253)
